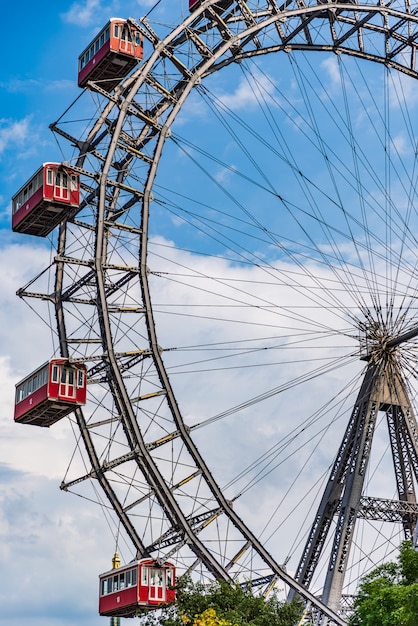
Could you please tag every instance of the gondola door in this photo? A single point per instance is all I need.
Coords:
(67, 388)
(156, 585)
(61, 190)
(126, 44)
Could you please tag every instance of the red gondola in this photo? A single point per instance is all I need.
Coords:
(50, 392)
(45, 199)
(111, 55)
(142, 584)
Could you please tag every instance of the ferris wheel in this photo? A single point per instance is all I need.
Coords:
(242, 298)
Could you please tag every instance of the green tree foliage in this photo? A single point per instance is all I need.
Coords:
(388, 596)
(223, 604)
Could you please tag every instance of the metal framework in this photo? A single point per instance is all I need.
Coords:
(99, 275)
(383, 389)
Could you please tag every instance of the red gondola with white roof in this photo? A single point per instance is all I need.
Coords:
(45, 199)
(50, 392)
(143, 584)
(111, 55)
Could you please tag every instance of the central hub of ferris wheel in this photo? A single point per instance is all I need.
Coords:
(374, 344)
(380, 342)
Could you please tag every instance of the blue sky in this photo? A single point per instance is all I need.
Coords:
(53, 545)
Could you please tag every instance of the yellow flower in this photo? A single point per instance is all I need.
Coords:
(209, 618)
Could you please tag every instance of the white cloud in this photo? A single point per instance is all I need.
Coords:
(249, 93)
(23, 261)
(401, 144)
(403, 90)
(84, 13)
(332, 69)
(146, 3)
(223, 174)
(14, 133)
(17, 85)
(49, 553)
(57, 86)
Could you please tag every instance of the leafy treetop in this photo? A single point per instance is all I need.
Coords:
(223, 604)
(388, 596)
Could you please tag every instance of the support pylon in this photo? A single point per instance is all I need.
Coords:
(383, 389)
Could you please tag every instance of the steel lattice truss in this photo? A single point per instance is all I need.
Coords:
(382, 390)
(140, 451)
